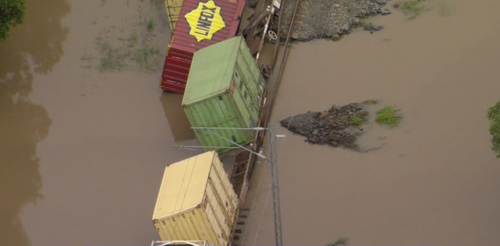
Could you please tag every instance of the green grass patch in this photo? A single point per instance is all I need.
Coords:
(132, 53)
(151, 25)
(357, 120)
(389, 116)
(412, 8)
(135, 47)
(146, 57)
(112, 60)
(493, 115)
(132, 40)
(111, 57)
(444, 9)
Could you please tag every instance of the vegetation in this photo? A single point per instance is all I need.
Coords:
(444, 8)
(145, 55)
(342, 241)
(493, 115)
(132, 48)
(117, 55)
(132, 40)
(389, 116)
(11, 14)
(413, 8)
(158, 3)
(112, 59)
(356, 120)
(151, 25)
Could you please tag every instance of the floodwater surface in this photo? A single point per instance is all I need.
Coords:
(436, 179)
(83, 151)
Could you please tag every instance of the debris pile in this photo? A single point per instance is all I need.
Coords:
(329, 18)
(337, 126)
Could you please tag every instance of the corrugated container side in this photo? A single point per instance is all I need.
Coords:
(230, 198)
(176, 70)
(173, 11)
(251, 83)
(228, 202)
(213, 218)
(242, 98)
(191, 225)
(216, 209)
(196, 29)
(216, 224)
(218, 111)
(251, 73)
(225, 89)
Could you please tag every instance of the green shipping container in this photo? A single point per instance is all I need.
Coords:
(224, 89)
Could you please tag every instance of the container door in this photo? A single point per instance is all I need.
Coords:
(175, 74)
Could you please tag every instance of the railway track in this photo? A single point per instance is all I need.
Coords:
(242, 171)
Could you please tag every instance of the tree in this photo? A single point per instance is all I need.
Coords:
(11, 14)
(493, 115)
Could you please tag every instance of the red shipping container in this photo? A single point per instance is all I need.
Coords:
(201, 23)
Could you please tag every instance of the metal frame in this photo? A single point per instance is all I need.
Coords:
(275, 186)
(273, 160)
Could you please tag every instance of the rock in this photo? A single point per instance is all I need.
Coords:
(381, 2)
(325, 18)
(362, 13)
(335, 37)
(333, 126)
(385, 11)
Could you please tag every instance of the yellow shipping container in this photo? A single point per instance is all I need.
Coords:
(196, 201)
(173, 11)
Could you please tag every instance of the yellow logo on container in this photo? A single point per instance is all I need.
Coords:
(205, 21)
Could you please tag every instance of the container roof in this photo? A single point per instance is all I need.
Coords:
(212, 70)
(205, 22)
(183, 185)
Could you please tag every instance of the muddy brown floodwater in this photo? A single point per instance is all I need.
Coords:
(82, 155)
(83, 151)
(436, 181)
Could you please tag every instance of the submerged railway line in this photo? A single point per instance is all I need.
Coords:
(273, 82)
(242, 160)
